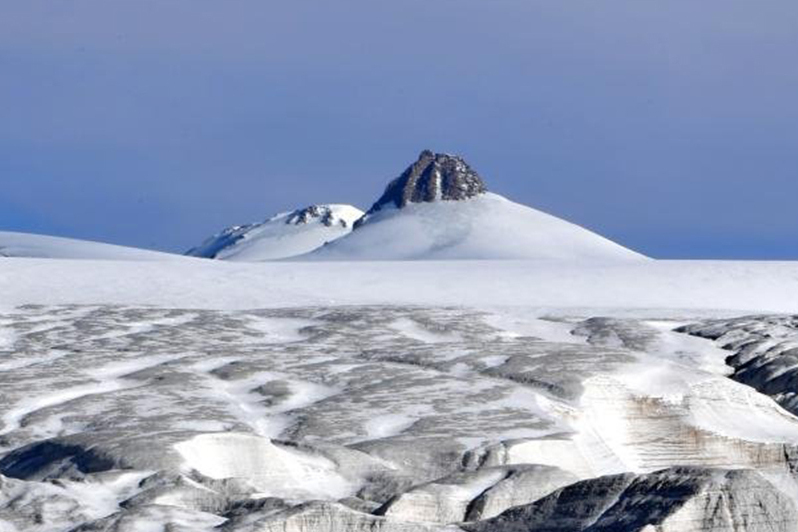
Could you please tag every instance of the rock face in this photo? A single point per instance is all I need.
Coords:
(324, 213)
(433, 177)
(476, 495)
(440, 209)
(763, 352)
(522, 485)
(672, 500)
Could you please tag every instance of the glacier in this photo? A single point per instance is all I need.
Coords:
(370, 416)
(448, 361)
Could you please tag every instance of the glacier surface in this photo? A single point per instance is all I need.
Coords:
(122, 417)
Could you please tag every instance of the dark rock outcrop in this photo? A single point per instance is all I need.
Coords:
(433, 177)
(53, 458)
(673, 500)
(306, 215)
(475, 495)
(763, 351)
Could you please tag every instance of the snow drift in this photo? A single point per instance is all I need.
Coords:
(51, 247)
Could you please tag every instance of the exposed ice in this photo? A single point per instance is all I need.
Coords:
(151, 415)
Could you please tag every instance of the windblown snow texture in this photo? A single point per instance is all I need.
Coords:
(389, 418)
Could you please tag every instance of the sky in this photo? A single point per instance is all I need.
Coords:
(670, 127)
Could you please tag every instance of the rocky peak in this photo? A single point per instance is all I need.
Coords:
(308, 214)
(433, 177)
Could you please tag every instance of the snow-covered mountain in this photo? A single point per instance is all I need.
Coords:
(284, 235)
(53, 247)
(399, 396)
(439, 209)
(456, 396)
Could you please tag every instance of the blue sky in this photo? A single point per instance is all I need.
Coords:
(671, 127)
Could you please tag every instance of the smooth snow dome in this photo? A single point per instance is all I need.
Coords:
(284, 235)
(486, 227)
(52, 247)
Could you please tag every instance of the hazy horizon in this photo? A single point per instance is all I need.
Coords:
(669, 128)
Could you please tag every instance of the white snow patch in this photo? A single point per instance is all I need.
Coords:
(272, 470)
(119, 369)
(7, 336)
(153, 518)
(564, 454)
(246, 406)
(304, 393)
(414, 330)
(387, 425)
(686, 349)
(475, 488)
(101, 494)
(268, 421)
(519, 322)
(279, 330)
(492, 361)
(734, 410)
(52, 247)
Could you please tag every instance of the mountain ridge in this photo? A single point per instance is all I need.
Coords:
(439, 208)
(432, 177)
(281, 236)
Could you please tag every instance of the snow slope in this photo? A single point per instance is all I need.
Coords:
(658, 285)
(485, 227)
(52, 247)
(284, 235)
